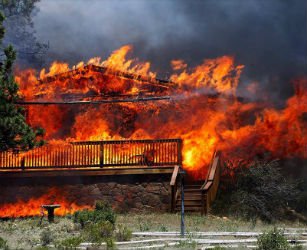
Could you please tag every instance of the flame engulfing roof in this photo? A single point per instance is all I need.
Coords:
(149, 88)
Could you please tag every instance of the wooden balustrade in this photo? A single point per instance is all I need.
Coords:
(210, 187)
(86, 154)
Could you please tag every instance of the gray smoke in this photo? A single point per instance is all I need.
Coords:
(268, 36)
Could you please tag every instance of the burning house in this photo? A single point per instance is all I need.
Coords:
(116, 132)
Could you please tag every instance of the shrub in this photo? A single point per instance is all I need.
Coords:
(98, 232)
(144, 226)
(272, 240)
(102, 212)
(46, 237)
(41, 248)
(259, 191)
(110, 243)
(71, 242)
(3, 244)
(123, 233)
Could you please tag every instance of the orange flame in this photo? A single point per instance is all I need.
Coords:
(32, 207)
(204, 112)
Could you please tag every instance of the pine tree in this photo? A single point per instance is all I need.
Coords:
(15, 133)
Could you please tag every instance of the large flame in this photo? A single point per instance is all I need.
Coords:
(33, 206)
(204, 110)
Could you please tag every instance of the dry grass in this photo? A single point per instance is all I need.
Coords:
(195, 223)
(26, 233)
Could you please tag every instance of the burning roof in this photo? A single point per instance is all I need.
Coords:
(203, 110)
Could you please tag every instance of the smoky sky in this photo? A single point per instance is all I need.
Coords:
(268, 36)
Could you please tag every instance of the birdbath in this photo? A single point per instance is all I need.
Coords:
(50, 210)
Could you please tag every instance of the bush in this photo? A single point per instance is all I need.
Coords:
(110, 243)
(103, 212)
(123, 233)
(98, 232)
(272, 240)
(46, 237)
(41, 248)
(259, 191)
(71, 242)
(3, 244)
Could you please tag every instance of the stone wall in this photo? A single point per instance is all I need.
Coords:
(125, 192)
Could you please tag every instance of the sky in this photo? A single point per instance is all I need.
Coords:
(268, 36)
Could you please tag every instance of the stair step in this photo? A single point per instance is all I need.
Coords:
(192, 190)
(191, 195)
(188, 183)
(189, 203)
(189, 209)
(192, 186)
(192, 198)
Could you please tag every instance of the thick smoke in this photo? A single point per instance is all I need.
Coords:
(268, 37)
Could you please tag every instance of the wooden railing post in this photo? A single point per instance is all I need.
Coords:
(22, 163)
(179, 145)
(101, 160)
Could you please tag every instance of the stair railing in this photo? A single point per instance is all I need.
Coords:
(174, 187)
(210, 187)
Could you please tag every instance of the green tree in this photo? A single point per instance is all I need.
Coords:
(15, 133)
(259, 190)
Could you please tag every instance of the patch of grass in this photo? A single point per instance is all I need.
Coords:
(297, 247)
(110, 243)
(187, 244)
(98, 232)
(41, 248)
(144, 225)
(163, 228)
(272, 240)
(123, 233)
(3, 244)
(46, 237)
(71, 242)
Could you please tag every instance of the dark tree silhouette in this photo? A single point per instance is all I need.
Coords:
(15, 133)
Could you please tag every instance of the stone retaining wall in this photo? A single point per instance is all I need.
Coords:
(125, 193)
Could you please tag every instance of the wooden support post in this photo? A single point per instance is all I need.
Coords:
(182, 226)
(203, 204)
(173, 185)
(173, 201)
(101, 153)
(179, 145)
(22, 163)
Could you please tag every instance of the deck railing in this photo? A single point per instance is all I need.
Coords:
(122, 153)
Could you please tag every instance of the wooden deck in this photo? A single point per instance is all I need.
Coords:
(87, 172)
